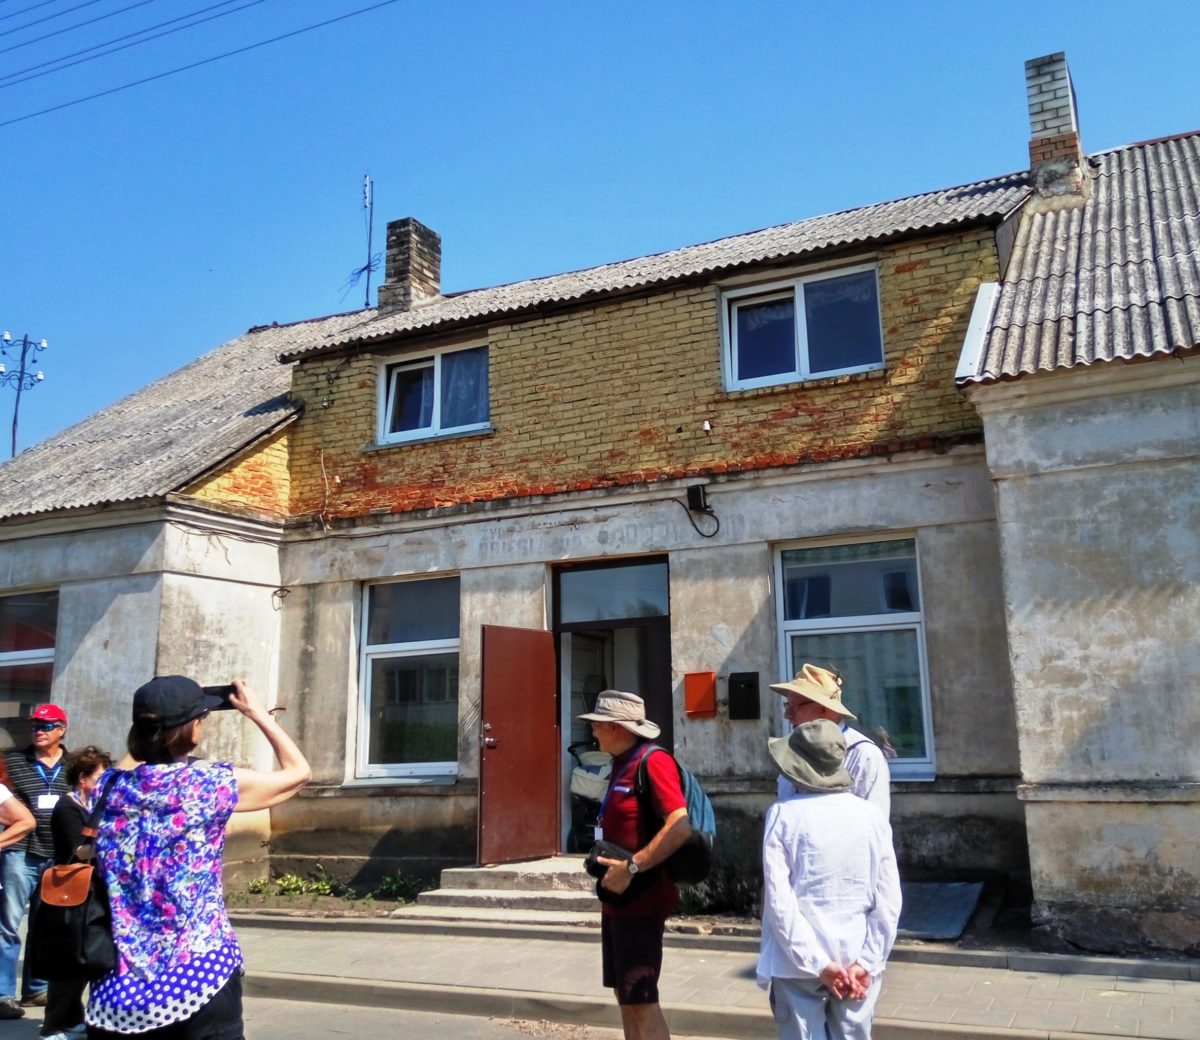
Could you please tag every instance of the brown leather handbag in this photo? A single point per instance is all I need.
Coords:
(70, 923)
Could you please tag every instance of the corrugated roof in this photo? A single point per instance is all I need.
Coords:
(990, 199)
(1115, 279)
(165, 435)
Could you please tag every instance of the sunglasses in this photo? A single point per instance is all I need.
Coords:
(44, 727)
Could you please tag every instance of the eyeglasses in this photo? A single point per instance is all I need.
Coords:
(44, 727)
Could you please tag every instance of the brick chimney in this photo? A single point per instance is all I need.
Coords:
(1056, 163)
(413, 268)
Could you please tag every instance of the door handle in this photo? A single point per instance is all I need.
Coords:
(490, 742)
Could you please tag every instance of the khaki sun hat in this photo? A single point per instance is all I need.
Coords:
(818, 685)
(625, 709)
(812, 757)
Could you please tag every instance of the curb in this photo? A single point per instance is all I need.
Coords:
(571, 1009)
(1056, 963)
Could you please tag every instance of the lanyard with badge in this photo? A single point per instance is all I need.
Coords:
(614, 786)
(47, 801)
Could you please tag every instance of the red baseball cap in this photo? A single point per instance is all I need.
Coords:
(48, 713)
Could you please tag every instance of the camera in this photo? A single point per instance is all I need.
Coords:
(224, 692)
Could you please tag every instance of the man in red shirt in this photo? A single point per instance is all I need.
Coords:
(636, 894)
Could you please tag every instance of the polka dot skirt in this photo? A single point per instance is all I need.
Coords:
(128, 1003)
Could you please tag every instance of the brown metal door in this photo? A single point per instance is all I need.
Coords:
(519, 753)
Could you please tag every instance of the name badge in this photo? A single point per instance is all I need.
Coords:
(598, 833)
(46, 802)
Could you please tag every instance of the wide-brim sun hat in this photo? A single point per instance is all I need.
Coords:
(820, 686)
(813, 757)
(625, 709)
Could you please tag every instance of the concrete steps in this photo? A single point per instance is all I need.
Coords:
(556, 890)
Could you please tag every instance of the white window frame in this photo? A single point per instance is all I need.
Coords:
(389, 367)
(924, 768)
(371, 652)
(731, 299)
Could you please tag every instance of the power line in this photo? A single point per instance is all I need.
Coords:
(72, 28)
(41, 69)
(49, 17)
(25, 10)
(197, 64)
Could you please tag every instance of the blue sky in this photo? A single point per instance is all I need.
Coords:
(144, 228)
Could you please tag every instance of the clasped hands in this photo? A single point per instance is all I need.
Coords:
(846, 983)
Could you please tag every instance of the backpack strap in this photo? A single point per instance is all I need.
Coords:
(641, 788)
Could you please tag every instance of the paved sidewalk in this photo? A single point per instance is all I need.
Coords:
(705, 991)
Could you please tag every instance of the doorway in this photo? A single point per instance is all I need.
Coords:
(613, 626)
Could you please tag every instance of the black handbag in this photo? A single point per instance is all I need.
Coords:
(70, 922)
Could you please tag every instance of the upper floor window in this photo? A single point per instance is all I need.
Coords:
(444, 392)
(819, 325)
(28, 623)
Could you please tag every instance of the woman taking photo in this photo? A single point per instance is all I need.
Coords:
(160, 843)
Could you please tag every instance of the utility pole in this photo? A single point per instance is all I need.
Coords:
(24, 378)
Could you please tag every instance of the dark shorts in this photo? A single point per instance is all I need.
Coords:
(632, 957)
(219, 1019)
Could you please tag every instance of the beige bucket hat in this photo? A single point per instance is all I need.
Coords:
(820, 686)
(625, 709)
(812, 757)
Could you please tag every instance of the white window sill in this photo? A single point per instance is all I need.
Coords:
(481, 431)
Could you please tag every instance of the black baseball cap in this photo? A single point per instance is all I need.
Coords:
(172, 700)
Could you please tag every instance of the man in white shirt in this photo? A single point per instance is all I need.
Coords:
(816, 693)
(831, 893)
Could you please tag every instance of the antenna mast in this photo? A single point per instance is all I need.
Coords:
(369, 206)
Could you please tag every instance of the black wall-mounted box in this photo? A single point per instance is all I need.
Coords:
(743, 695)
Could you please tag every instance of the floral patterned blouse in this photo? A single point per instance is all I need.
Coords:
(160, 845)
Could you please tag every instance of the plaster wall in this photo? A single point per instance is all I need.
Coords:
(105, 649)
(155, 598)
(1098, 496)
(1099, 503)
(722, 619)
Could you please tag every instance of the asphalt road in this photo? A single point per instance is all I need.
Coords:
(293, 1020)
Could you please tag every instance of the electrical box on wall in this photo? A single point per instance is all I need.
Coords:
(700, 694)
(743, 695)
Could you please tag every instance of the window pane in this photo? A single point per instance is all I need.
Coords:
(881, 682)
(464, 388)
(28, 621)
(766, 338)
(850, 580)
(842, 318)
(612, 593)
(21, 687)
(412, 611)
(411, 407)
(414, 709)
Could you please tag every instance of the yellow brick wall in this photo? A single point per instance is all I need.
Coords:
(258, 479)
(617, 393)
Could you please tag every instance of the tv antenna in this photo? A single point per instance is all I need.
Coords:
(373, 259)
(369, 206)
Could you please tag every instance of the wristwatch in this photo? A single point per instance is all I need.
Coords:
(633, 867)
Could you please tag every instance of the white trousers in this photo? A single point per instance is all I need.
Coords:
(806, 1010)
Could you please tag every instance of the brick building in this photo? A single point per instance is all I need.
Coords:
(434, 529)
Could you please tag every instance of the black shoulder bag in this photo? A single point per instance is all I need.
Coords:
(70, 926)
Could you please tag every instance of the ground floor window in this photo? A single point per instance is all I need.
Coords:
(408, 712)
(857, 608)
(28, 623)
